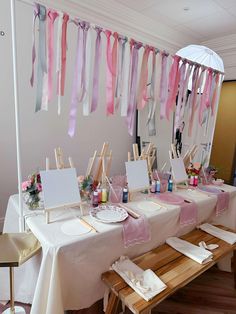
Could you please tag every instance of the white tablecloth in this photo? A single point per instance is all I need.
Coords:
(68, 274)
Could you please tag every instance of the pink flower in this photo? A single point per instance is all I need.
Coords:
(25, 185)
(39, 187)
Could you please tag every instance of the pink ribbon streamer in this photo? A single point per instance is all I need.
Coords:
(163, 85)
(96, 69)
(114, 66)
(174, 77)
(185, 92)
(142, 89)
(63, 53)
(52, 15)
(215, 94)
(35, 15)
(205, 99)
(109, 76)
(134, 47)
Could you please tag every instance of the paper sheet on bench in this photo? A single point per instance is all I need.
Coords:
(226, 236)
(144, 282)
(192, 251)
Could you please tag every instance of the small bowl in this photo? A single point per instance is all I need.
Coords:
(218, 182)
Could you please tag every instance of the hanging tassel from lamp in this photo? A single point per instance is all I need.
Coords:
(134, 49)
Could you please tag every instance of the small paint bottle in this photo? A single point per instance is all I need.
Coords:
(104, 195)
(153, 187)
(191, 181)
(195, 183)
(99, 195)
(170, 185)
(125, 195)
(95, 198)
(158, 187)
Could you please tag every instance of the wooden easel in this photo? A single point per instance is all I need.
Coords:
(189, 155)
(100, 164)
(148, 154)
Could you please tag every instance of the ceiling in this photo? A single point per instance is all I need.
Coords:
(201, 19)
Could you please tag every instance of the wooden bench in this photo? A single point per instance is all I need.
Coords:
(172, 267)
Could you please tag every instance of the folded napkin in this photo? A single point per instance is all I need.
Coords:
(145, 282)
(136, 231)
(222, 202)
(226, 236)
(188, 213)
(192, 251)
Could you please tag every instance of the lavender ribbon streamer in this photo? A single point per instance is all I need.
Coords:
(97, 58)
(133, 86)
(36, 14)
(121, 54)
(42, 64)
(163, 85)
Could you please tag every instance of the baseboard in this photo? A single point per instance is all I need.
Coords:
(1, 223)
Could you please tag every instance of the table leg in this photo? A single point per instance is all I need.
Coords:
(113, 302)
(12, 289)
(234, 268)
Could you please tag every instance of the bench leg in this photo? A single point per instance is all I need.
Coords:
(113, 303)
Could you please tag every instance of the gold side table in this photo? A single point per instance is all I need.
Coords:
(15, 249)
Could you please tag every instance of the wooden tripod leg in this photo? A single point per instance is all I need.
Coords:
(113, 304)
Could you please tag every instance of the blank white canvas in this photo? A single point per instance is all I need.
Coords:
(137, 175)
(60, 187)
(178, 170)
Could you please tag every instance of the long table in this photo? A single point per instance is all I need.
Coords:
(68, 273)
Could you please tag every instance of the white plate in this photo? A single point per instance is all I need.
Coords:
(109, 214)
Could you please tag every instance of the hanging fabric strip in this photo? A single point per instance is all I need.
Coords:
(52, 15)
(42, 62)
(182, 73)
(97, 58)
(58, 61)
(151, 98)
(216, 90)
(114, 66)
(88, 74)
(174, 77)
(35, 15)
(63, 53)
(76, 82)
(109, 75)
(124, 94)
(205, 99)
(185, 92)
(142, 89)
(82, 63)
(163, 85)
(193, 97)
(134, 48)
(120, 74)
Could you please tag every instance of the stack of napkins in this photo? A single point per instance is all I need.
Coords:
(192, 251)
(144, 282)
(226, 236)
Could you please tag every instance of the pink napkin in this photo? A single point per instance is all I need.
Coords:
(222, 202)
(188, 213)
(136, 231)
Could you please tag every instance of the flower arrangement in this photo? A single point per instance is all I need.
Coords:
(194, 169)
(32, 187)
(86, 185)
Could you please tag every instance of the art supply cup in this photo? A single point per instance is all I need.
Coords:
(164, 185)
(115, 195)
